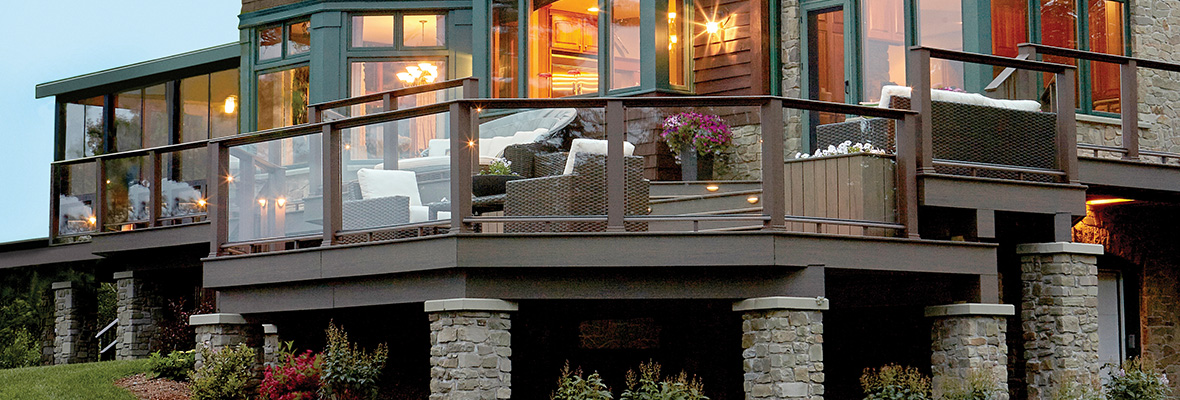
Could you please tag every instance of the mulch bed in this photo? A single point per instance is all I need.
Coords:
(154, 389)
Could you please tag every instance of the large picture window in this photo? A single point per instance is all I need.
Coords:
(282, 98)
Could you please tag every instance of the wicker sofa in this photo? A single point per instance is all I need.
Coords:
(972, 133)
(582, 192)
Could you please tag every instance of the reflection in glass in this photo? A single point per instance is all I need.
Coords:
(677, 41)
(75, 200)
(424, 31)
(194, 108)
(372, 31)
(271, 182)
(155, 116)
(624, 48)
(83, 131)
(224, 103)
(1009, 26)
(563, 48)
(883, 49)
(270, 43)
(126, 193)
(1059, 20)
(128, 120)
(182, 185)
(1106, 36)
(298, 38)
(941, 25)
(827, 61)
(414, 135)
(505, 48)
(282, 98)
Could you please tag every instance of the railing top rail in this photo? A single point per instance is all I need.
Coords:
(689, 101)
(351, 101)
(999, 61)
(1100, 57)
(138, 152)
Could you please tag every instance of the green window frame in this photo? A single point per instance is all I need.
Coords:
(284, 42)
(1085, 82)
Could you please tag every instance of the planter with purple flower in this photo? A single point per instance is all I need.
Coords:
(699, 138)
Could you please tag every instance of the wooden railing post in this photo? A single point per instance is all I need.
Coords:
(330, 170)
(1067, 126)
(391, 140)
(1026, 80)
(217, 205)
(774, 192)
(54, 203)
(615, 176)
(464, 139)
(156, 196)
(1129, 104)
(906, 172)
(918, 71)
(100, 193)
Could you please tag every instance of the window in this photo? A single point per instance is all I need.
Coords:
(83, 133)
(416, 31)
(282, 98)
(624, 49)
(209, 106)
(940, 24)
(506, 48)
(1101, 30)
(413, 134)
(284, 41)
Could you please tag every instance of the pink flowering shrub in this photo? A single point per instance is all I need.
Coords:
(297, 378)
(707, 133)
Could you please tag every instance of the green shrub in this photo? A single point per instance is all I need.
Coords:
(108, 303)
(176, 366)
(647, 385)
(894, 382)
(225, 374)
(979, 385)
(22, 350)
(1137, 379)
(350, 372)
(572, 386)
(499, 166)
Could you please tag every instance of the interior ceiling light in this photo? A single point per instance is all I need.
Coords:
(231, 104)
(1099, 202)
(593, 9)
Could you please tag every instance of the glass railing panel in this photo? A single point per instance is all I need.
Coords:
(703, 165)
(395, 174)
(126, 193)
(183, 186)
(270, 186)
(76, 200)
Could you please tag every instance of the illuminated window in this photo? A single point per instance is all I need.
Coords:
(372, 31)
(424, 30)
(282, 98)
(278, 42)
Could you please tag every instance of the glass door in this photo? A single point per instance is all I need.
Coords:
(827, 65)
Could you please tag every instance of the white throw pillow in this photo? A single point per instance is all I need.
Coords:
(382, 183)
(590, 146)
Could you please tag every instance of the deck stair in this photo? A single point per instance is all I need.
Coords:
(693, 198)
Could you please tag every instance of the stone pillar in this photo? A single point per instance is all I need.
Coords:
(782, 347)
(470, 349)
(74, 314)
(966, 339)
(270, 344)
(139, 313)
(1059, 314)
(219, 331)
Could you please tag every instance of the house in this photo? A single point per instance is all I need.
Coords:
(321, 169)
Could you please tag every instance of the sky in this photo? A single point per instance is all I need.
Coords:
(47, 41)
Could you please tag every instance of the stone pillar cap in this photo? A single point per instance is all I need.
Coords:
(967, 309)
(469, 304)
(123, 275)
(216, 319)
(270, 329)
(1059, 247)
(782, 303)
(63, 285)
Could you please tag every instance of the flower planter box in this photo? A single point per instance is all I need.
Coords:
(851, 186)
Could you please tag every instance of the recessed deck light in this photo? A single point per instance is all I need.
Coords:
(1099, 202)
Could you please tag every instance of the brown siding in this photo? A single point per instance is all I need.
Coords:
(733, 61)
(256, 5)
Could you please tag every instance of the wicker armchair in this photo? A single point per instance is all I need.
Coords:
(537, 159)
(360, 213)
(582, 192)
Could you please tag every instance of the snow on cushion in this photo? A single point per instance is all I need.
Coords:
(888, 91)
(590, 146)
(385, 183)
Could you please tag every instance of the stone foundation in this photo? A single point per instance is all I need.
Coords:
(967, 339)
(270, 344)
(74, 312)
(782, 347)
(1059, 314)
(139, 311)
(219, 331)
(470, 349)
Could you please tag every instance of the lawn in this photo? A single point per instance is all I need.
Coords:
(66, 382)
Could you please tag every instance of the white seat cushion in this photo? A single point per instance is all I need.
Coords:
(590, 146)
(889, 91)
(384, 183)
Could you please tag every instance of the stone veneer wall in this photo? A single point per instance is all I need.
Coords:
(220, 336)
(783, 354)
(1153, 36)
(1145, 235)
(961, 344)
(1059, 314)
(74, 312)
(469, 355)
(139, 313)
